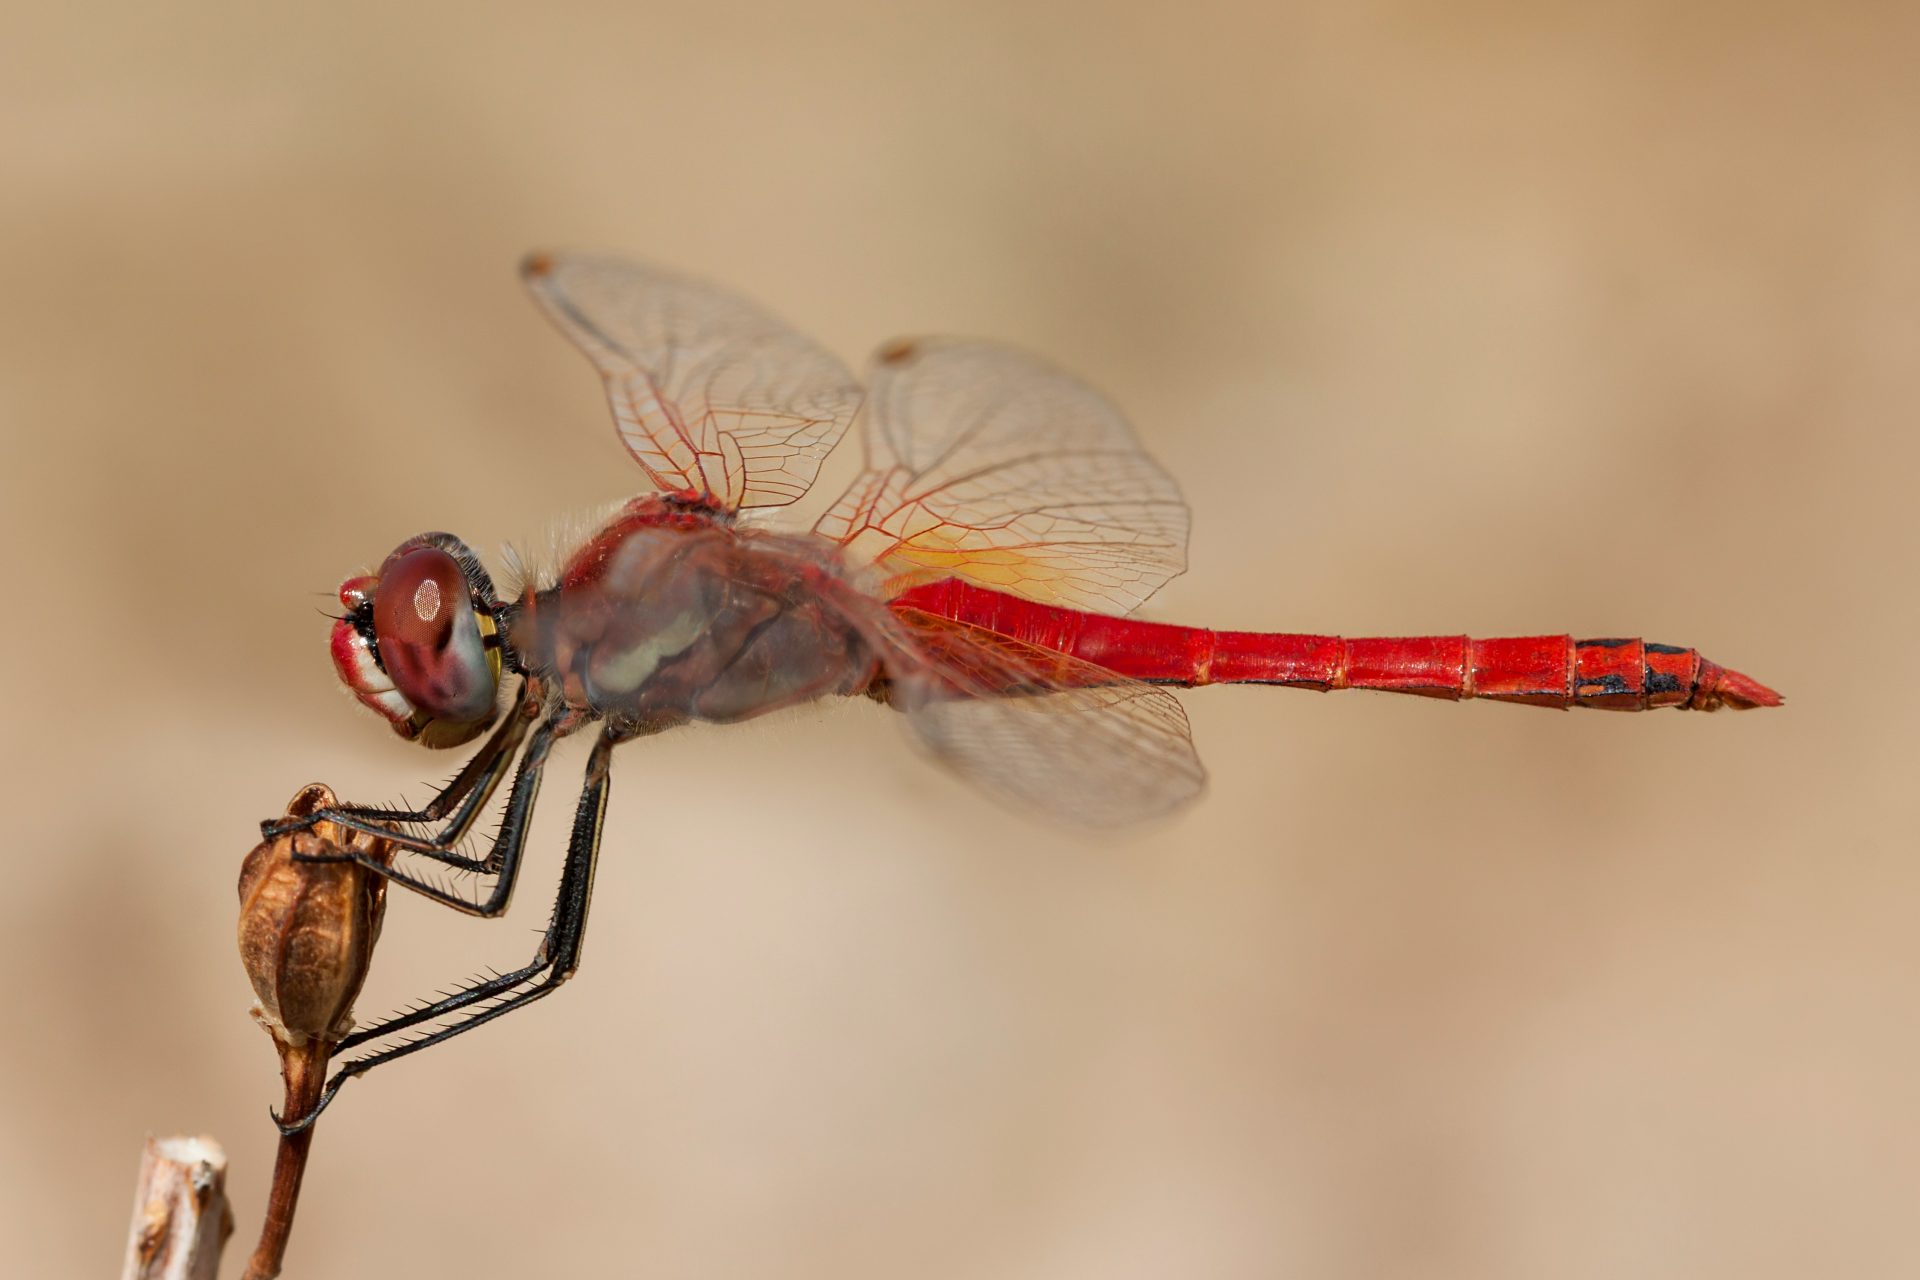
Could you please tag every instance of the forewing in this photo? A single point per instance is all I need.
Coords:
(1040, 729)
(714, 397)
(988, 464)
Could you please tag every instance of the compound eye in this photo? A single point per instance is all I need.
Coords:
(429, 636)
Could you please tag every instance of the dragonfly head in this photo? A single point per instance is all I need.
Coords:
(420, 642)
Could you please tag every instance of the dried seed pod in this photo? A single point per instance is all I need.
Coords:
(307, 929)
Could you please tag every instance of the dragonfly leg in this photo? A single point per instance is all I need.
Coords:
(464, 798)
(502, 860)
(553, 963)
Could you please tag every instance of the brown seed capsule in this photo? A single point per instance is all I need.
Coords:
(307, 929)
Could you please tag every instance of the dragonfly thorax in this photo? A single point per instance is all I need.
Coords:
(669, 614)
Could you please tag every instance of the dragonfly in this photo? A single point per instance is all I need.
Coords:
(979, 577)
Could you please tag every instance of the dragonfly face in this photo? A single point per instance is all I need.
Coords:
(420, 642)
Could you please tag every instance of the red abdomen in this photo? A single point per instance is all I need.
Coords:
(1548, 671)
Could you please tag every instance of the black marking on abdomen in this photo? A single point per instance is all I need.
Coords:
(1665, 648)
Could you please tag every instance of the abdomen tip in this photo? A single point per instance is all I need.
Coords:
(1724, 687)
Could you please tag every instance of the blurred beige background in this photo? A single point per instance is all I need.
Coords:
(1448, 318)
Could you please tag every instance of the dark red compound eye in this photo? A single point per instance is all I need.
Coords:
(429, 637)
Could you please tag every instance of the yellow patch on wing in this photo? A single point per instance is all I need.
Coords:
(928, 558)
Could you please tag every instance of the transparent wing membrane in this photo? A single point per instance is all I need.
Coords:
(982, 463)
(987, 464)
(712, 396)
(1042, 730)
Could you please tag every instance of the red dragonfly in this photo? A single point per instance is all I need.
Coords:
(977, 577)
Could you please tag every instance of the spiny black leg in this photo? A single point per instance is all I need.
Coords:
(502, 861)
(472, 787)
(555, 961)
(463, 782)
(492, 765)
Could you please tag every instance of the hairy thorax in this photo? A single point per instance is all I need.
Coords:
(670, 614)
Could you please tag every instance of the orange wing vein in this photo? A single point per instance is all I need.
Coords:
(987, 464)
(1040, 729)
(712, 396)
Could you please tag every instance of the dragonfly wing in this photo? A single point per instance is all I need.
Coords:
(1040, 729)
(712, 396)
(986, 463)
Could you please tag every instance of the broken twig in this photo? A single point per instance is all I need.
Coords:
(181, 1218)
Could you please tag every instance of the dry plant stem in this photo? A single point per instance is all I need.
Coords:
(180, 1214)
(304, 1071)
